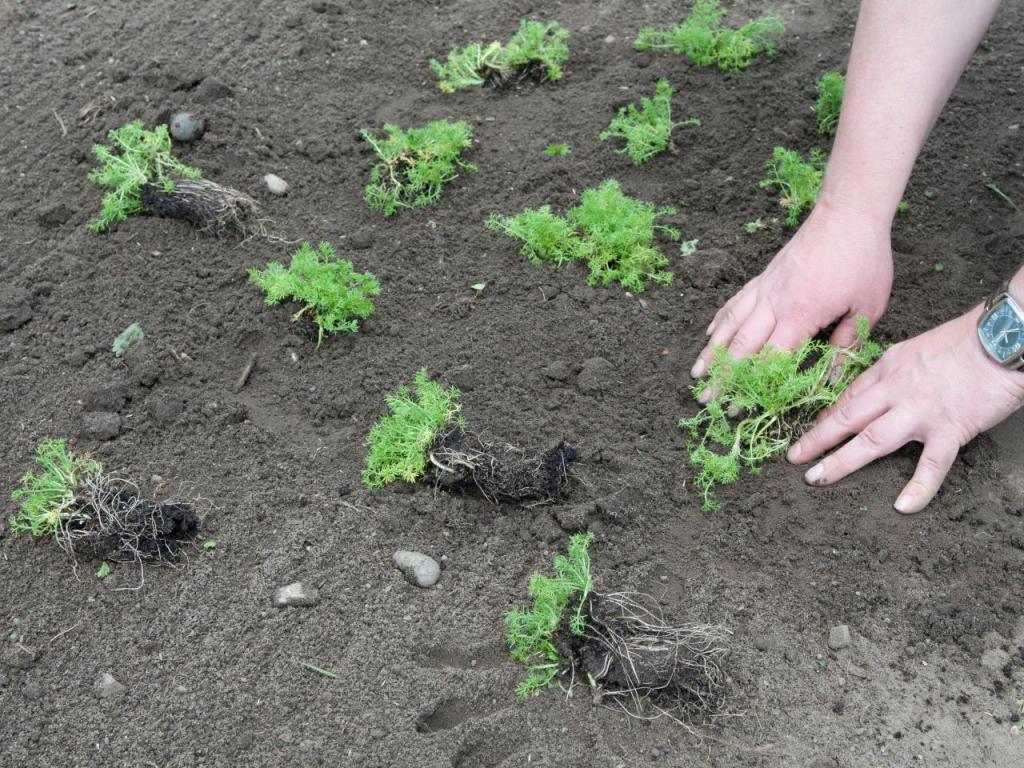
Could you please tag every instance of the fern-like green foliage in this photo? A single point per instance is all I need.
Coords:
(798, 181)
(49, 497)
(135, 156)
(535, 44)
(647, 129)
(610, 231)
(703, 39)
(830, 102)
(557, 150)
(399, 441)
(530, 631)
(776, 394)
(415, 165)
(329, 288)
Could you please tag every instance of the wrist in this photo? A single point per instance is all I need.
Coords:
(864, 214)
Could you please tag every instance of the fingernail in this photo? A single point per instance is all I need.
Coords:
(698, 369)
(814, 473)
(704, 396)
(708, 331)
(794, 452)
(903, 503)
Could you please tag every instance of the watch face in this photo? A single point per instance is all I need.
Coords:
(1002, 332)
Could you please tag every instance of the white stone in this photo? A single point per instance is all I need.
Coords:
(276, 184)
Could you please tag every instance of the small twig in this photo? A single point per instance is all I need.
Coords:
(313, 667)
(61, 634)
(63, 128)
(244, 375)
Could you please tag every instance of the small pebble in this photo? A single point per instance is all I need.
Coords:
(296, 594)
(276, 184)
(610, 39)
(108, 687)
(186, 126)
(418, 569)
(839, 637)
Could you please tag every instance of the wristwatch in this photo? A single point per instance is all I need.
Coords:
(1001, 329)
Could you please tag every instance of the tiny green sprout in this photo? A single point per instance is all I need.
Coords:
(995, 190)
(752, 227)
(537, 49)
(557, 150)
(399, 440)
(647, 129)
(313, 668)
(478, 286)
(104, 570)
(830, 102)
(939, 266)
(688, 247)
(531, 632)
(798, 181)
(902, 208)
(705, 42)
(135, 156)
(50, 499)
(130, 335)
(776, 394)
(413, 166)
(329, 288)
(18, 633)
(609, 231)
(210, 545)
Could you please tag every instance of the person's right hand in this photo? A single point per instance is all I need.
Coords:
(837, 266)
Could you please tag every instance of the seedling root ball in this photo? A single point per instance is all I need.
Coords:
(206, 205)
(462, 461)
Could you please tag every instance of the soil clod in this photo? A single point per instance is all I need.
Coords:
(206, 205)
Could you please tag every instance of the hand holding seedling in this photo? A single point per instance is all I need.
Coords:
(939, 388)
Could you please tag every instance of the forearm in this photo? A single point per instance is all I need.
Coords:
(906, 58)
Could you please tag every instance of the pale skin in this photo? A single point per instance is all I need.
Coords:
(940, 388)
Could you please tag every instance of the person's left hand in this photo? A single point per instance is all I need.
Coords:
(939, 389)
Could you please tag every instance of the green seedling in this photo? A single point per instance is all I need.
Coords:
(328, 288)
(902, 208)
(89, 512)
(609, 231)
(798, 181)
(830, 102)
(424, 437)
(995, 190)
(146, 177)
(104, 570)
(537, 50)
(774, 395)
(755, 226)
(705, 42)
(618, 642)
(688, 247)
(209, 545)
(17, 634)
(647, 129)
(135, 157)
(313, 668)
(415, 165)
(557, 150)
(130, 335)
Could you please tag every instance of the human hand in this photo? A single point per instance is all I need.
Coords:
(939, 389)
(837, 266)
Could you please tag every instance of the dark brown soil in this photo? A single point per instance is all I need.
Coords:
(423, 678)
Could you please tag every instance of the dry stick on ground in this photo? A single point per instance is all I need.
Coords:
(244, 375)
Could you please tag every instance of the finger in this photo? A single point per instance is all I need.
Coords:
(937, 457)
(855, 409)
(786, 336)
(845, 333)
(744, 295)
(879, 438)
(729, 318)
(750, 337)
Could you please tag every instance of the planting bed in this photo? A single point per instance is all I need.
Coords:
(934, 602)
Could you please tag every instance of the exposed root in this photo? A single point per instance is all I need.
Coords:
(206, 205)
(461, 461)
(644, 665)
(500, 78)
(114, 520)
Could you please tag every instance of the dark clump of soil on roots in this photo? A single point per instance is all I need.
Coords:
(462, 461)
(532, 71)
(207, 206)
(641, 663)
(120, 524)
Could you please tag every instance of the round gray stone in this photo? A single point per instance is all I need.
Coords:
(186, 126)
(418, 569)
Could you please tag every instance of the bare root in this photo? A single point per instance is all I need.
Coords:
(462, 461)
(208, 206)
